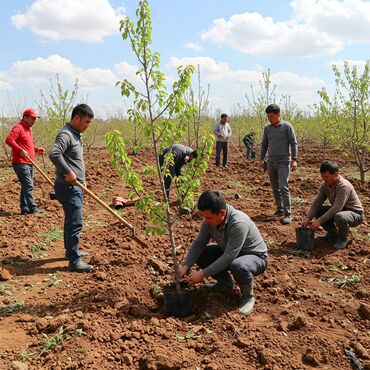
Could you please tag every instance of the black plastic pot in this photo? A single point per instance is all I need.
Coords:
(305, 238)
(178, 304)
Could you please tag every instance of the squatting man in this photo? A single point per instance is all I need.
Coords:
(239, 249)
(345, 209)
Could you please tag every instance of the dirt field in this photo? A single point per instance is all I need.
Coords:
(299, 320)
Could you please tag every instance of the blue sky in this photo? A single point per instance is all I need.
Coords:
(233, 41)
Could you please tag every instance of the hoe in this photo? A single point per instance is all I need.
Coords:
(98, 200)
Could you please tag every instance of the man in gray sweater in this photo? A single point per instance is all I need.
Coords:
(239, 249)
(280, 143)
(67, 156)
(345, 210)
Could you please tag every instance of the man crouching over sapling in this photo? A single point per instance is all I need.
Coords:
(239, 249)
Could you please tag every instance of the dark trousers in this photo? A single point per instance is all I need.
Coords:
(279, 176)
(341, 220)
(71, 198)
(168, 179)
(243, 268)
(221, 146)
(24, 173)
(250, 152)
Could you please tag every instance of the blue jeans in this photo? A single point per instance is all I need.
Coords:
(24, 173)
(71, 198)
(243, 268)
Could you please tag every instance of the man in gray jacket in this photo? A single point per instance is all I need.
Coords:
(239, 249)
(222, 131)
(345, 210)
(67, 156)
(280, 143)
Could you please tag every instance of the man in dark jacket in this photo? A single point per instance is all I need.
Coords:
(181, 155)
(248, 141)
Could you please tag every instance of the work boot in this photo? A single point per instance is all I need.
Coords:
(223, 281)
(278, 213)
(342, 241)
(80, 266)
(287, 219)
(247, 301)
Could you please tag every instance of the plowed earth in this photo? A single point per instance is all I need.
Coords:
(301, 320)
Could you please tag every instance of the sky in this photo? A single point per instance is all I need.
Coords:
(232, 41)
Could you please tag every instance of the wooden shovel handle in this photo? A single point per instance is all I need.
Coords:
(115, 214)
(85, 189)
(40, 170)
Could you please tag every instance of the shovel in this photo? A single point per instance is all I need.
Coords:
(98, 200)
(241, 154)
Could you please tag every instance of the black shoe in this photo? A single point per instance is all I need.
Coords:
(25, 212)
(225, 165)
(80, 267)
(278, 213)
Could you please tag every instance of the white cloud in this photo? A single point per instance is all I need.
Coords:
(85, 20)
(5, 85)
(229, 86)
(193, 46)
(348, 19)
(251, 33)
(316, 27)
(39, 71)
(125, 70)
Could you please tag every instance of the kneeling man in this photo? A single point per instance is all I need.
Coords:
(239, 249)
(344, 212)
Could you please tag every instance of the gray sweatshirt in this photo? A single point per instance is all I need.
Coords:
(342, 196)
(237, 235)
(279, 142)
(67, 154)
(222, 132)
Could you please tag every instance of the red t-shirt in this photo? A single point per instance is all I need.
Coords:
(20, 137)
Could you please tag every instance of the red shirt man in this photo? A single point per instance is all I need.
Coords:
(20, 139)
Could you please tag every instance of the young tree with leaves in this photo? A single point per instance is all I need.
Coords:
(159, 114)
(349, 112)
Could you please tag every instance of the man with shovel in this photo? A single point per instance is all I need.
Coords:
(239, 249)
(280, 143)
(344, 212)
(67, 156)
(248, 141)
(20, 139)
